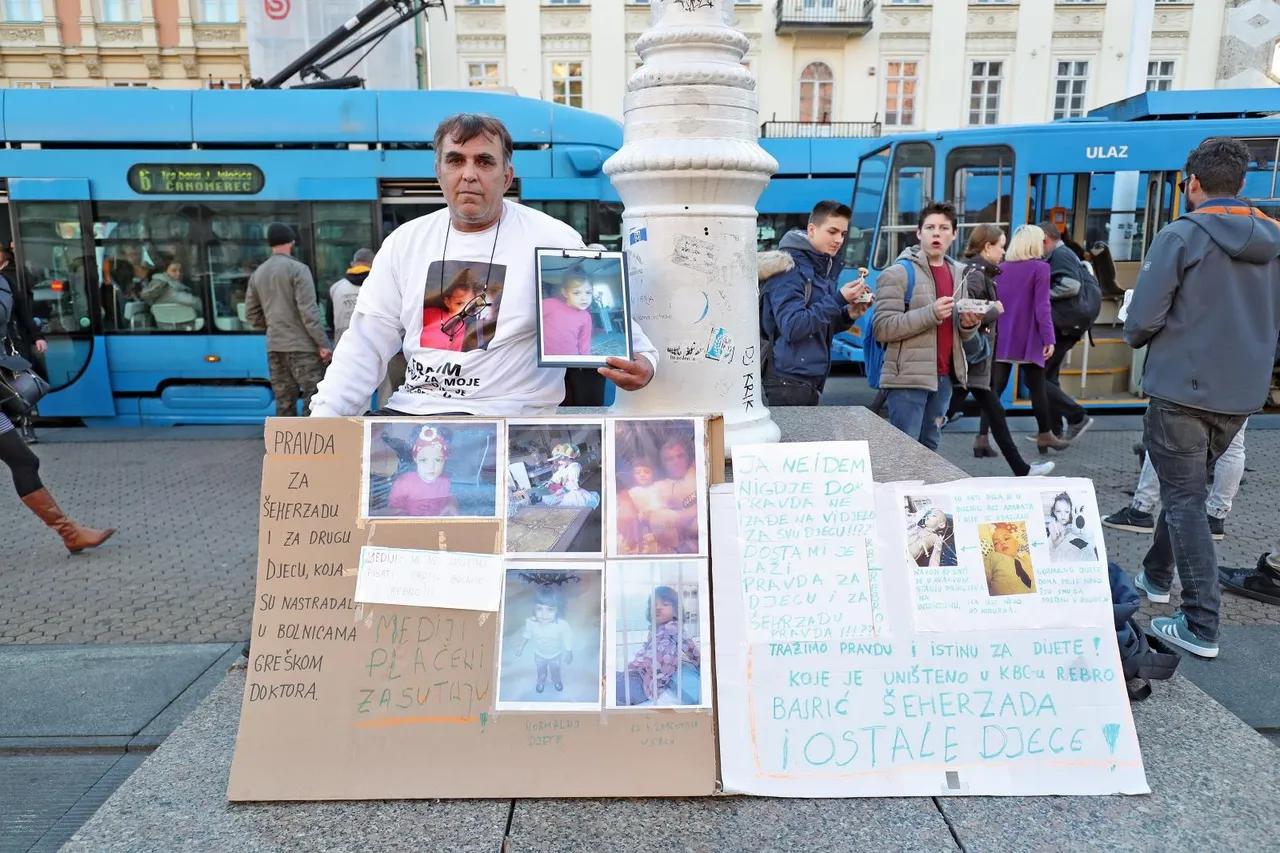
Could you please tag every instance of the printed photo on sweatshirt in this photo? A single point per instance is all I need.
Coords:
(549, 639)
(417, 469)
(460, 305)
(583, 313)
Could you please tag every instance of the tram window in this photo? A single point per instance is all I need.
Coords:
(575, 214)
(981, 185)
(772, 227)
(609, 226)
(868, 192)
(53, 265)
(338, 229)
(151, 271)
(1124, 232)
(234, 244)
(1260, 185)
(395, 215)
(910, 189)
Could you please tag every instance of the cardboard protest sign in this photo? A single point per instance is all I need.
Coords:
(981, 674)
(379, 701)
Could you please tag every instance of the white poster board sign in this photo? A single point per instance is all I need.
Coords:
(452, 580)
(1005, 696)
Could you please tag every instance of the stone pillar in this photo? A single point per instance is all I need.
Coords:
(690, 172)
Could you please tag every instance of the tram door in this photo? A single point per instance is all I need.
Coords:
(1163, 198)
(404, 199)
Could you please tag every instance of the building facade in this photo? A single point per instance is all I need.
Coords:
(163, 44)
(907, 64)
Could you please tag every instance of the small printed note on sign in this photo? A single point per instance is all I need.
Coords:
(447, 579)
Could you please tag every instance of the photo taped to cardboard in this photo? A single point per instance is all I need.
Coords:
(555, 488)
(659, 487)
(550, 637)
(656, 636)
(431, 468)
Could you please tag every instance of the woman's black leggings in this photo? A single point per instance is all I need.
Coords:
(23, 464)
(993, 418)
(1034, 376)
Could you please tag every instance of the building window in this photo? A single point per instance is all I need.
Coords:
(220, 11)
(566, 83)
(128, 84)
(224, 84)
(900, 82)
(816, 85)
(122, 11)
(984, 92)
(480, 3)
(1160, 74)
(484, 75)
(31, 84)
(22, 11)
(563, 2)
(1070, 87)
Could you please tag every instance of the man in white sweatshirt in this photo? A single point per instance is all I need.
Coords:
(459, 288)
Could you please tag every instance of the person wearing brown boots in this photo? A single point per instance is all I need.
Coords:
(24, 465)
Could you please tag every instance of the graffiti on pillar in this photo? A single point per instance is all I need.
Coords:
(694, 5)
(720, 347)
(692, 253)
(686, 351)
(748, 356)
(748, 391)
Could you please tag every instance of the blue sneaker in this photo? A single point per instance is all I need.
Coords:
(1154, 593)
(1173, 629)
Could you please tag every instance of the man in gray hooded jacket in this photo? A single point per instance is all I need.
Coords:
(1207, 307)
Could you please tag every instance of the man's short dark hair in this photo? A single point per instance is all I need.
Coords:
(464, 127)
(824, 209)
(938, 207)
(1220, 164)
(1050, 230)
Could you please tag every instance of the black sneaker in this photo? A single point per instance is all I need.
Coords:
(1217, 527)
(1260, 584)
(1131, 520)
(1074, 431)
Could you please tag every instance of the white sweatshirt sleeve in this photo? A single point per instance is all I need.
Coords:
(374, 336)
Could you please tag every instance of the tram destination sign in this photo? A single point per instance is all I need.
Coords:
(195, 179)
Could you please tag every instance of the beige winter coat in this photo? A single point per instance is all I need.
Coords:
(910, 333)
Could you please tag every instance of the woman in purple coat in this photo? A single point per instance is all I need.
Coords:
(1025, 333)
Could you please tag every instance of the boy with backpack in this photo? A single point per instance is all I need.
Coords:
(803, 306)
(919, 346)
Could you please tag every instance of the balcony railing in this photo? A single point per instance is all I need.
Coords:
(823, 129)
(849, 16)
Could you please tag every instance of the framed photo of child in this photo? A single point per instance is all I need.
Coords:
(584, 309)
(439, 468)
(555, 488)
(657, 626)
(658, 492)
(549, 637)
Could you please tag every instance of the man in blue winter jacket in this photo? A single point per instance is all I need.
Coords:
(803, 306)
(1207, 307)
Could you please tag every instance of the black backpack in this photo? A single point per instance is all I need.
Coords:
(1143, 657)
(766, 342)
(1075, 315)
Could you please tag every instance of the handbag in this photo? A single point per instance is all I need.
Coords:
(978, 348)
(21, 388)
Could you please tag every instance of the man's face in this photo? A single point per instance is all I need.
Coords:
(675, 461)
(474, 179)
(828, 236)
(936, 235)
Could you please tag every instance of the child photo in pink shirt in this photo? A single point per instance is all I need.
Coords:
(437, 469)
(583, 316)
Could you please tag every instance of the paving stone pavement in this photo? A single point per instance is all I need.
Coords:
(181, 566)
(1106, 457)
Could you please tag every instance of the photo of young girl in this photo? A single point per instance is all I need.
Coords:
(583, 315)
(436, 469)
(461, 301)
(1069, 538)
(657, 625)
(931, 534)
(660, 488)
(1006, 558)
(549, 637)
(554, 485)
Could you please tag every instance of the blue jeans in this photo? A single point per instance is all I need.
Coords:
(919, 413)
(1182, 443)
